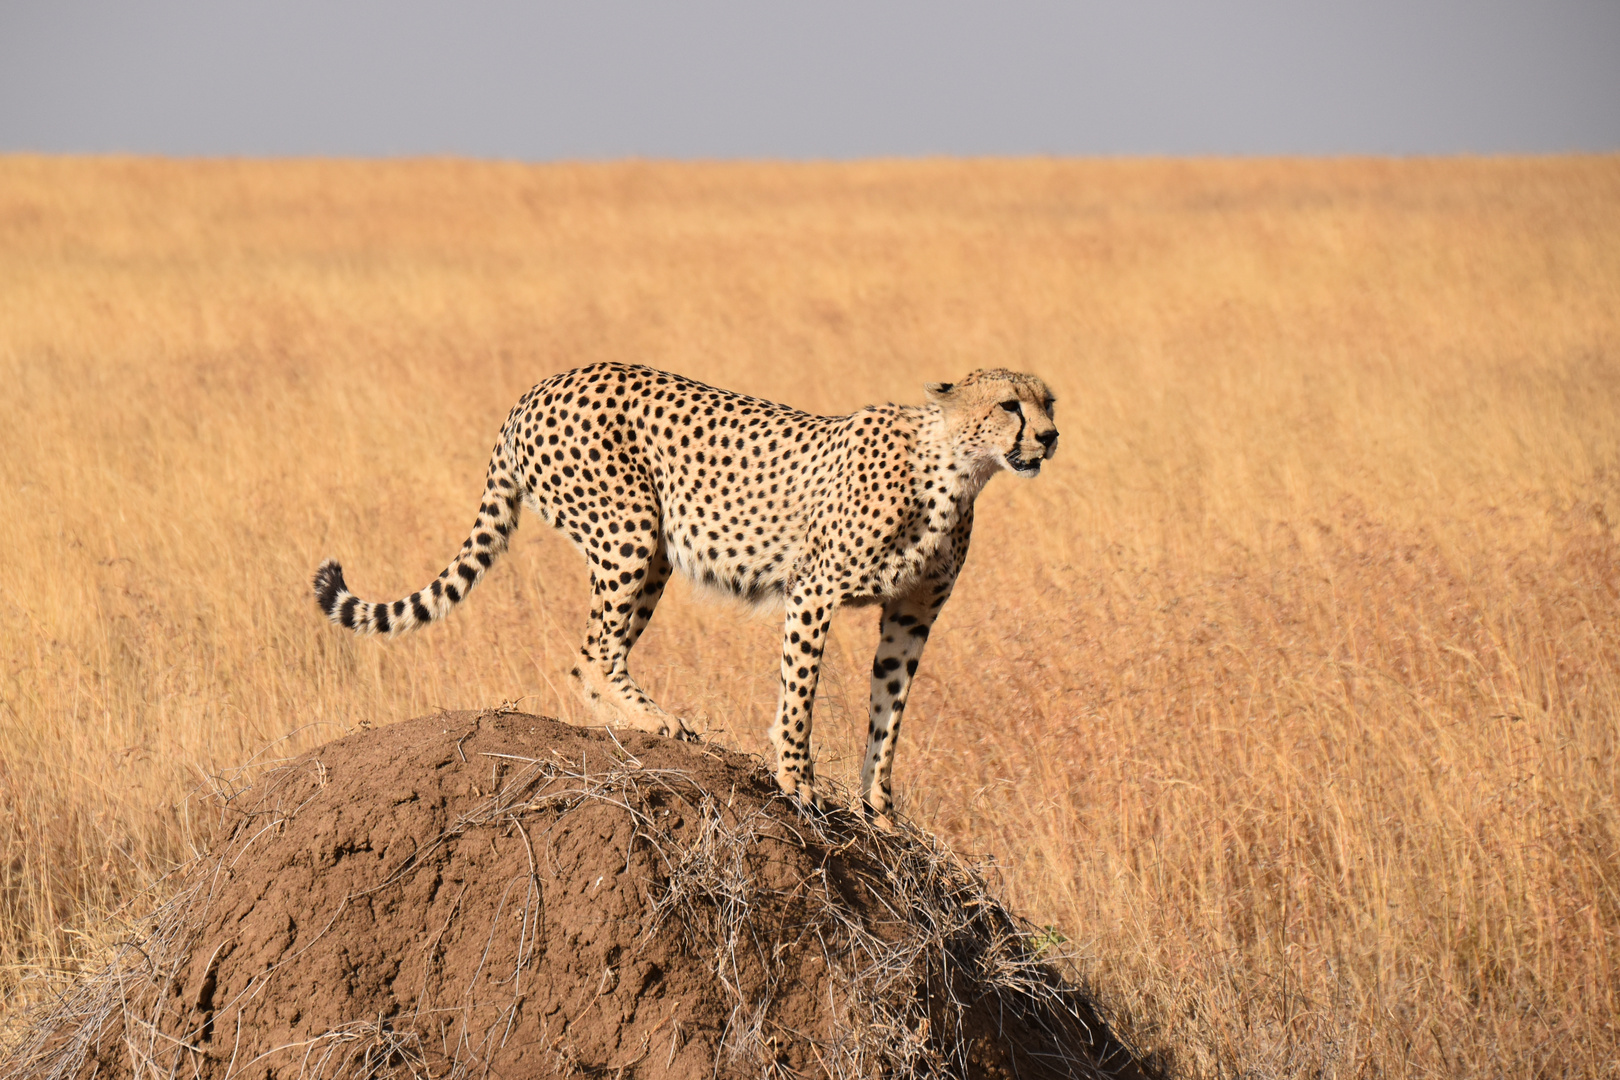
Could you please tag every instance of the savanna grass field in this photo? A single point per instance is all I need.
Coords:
(1287, 695)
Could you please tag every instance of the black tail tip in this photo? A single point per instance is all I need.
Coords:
(328, 584)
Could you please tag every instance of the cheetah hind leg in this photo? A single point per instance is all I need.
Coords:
(651, 589)
(595, 695)
(609, 693)
(607, 705)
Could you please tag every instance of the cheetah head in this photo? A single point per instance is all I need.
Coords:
(999, 419)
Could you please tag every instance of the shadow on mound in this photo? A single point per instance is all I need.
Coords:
(472, 894)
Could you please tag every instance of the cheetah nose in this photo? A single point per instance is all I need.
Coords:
(1047, 438)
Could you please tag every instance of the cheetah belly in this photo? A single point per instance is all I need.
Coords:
(731, 555)
(761, 585)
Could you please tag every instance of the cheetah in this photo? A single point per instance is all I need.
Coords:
(648, 473)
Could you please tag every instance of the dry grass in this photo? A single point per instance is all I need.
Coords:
(1290, 692)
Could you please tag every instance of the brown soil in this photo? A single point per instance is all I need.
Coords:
(502, 894)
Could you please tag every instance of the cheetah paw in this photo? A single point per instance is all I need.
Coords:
(810, 803)
(678, 731)
(879, 820)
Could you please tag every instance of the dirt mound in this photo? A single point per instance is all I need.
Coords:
(472, 894)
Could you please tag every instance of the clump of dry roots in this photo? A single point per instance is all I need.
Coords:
(916, 984)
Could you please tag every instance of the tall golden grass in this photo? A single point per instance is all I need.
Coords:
(1289, 693)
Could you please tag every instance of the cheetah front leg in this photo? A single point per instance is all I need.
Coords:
(804, 637)
(903, 633)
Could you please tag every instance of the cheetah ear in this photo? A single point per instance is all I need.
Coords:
(939, 392)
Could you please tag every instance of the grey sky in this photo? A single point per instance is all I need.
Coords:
(829, 79)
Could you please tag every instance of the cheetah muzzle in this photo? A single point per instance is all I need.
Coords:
(648, 473)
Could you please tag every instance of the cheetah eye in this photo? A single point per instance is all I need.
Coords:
(1051, 403)
(1010, 406)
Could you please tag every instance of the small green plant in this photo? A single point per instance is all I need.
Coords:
(1049, 938)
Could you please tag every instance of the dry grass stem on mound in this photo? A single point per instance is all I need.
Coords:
(1289, 692)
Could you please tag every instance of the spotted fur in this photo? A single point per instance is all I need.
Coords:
(648, 472)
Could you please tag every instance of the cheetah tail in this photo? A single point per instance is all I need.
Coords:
(491, 533)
